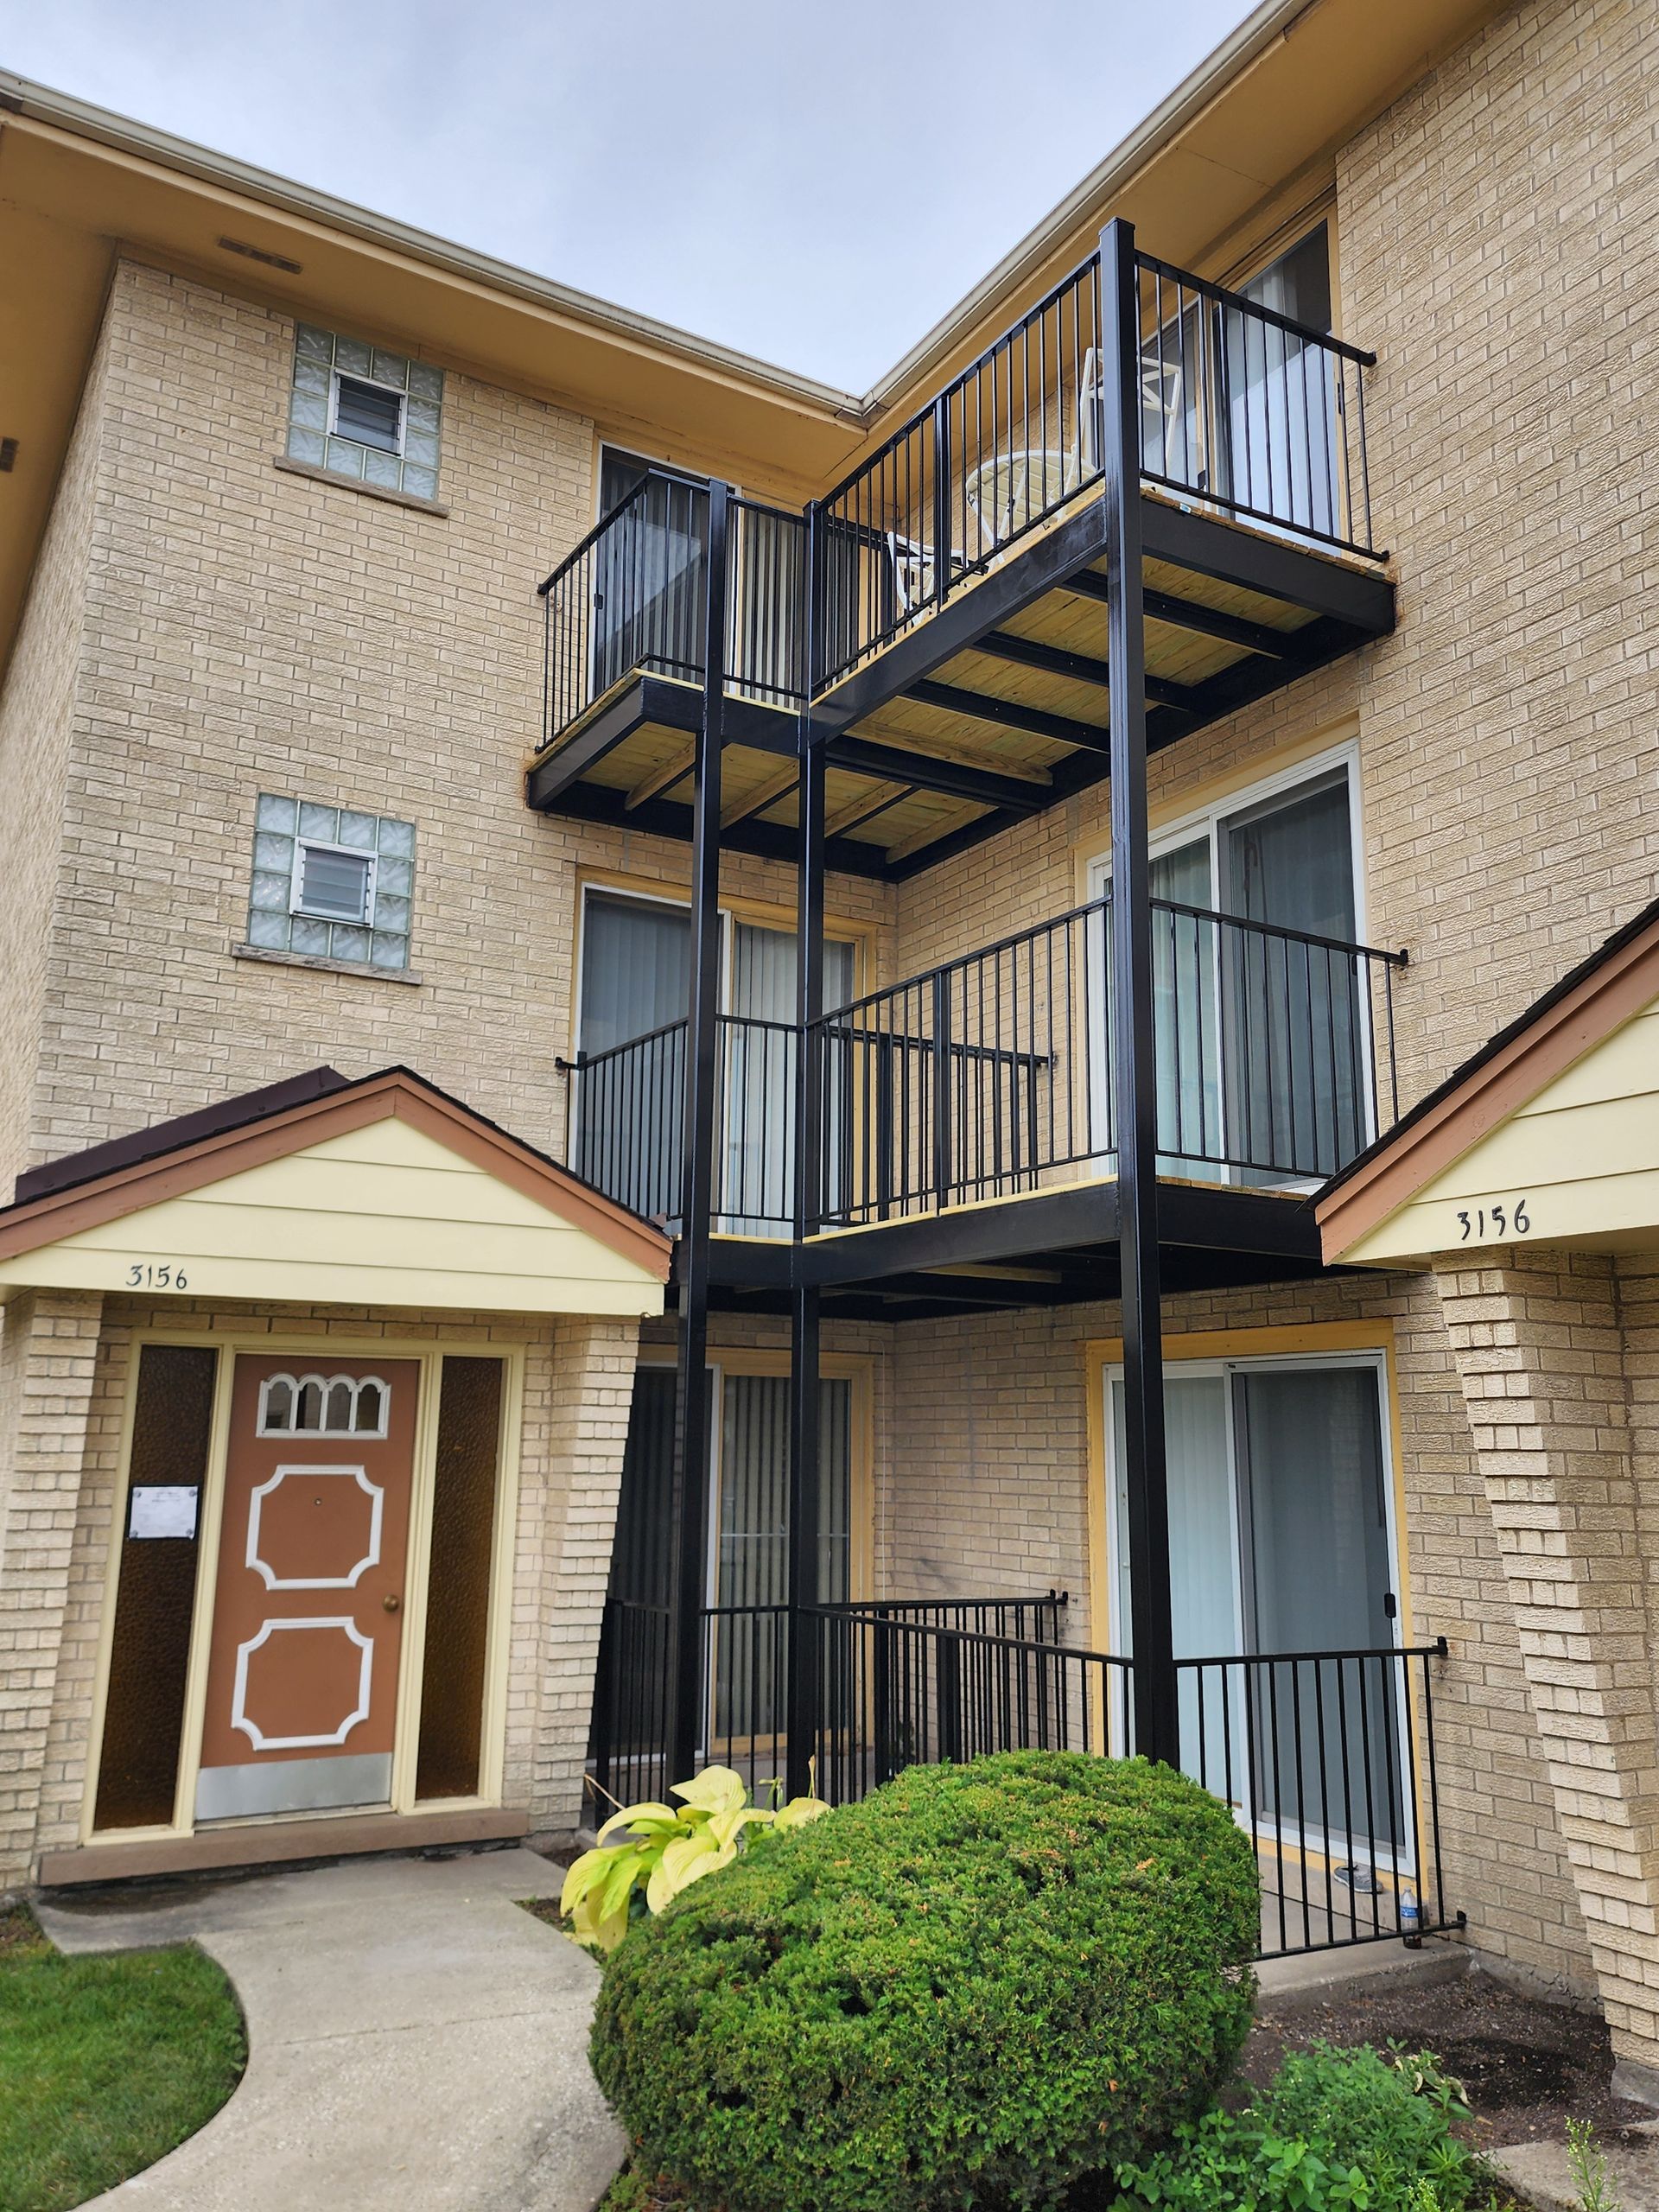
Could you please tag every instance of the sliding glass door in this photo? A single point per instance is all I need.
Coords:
(648, 573)
(1280, 1547)
(1261, 1024)
(749, 1562)
(747, 1588)
(1296, 1051)
(634, 996)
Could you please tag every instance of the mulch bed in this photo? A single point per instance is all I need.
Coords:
(1528, 2066)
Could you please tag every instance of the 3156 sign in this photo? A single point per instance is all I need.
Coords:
(1509, 1217)
(157, 1274)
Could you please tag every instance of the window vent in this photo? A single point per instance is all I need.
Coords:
(369, 413)
(259, 253)
(335, 885)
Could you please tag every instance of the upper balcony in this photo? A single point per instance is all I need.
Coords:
(970, 1116)
(943, 611)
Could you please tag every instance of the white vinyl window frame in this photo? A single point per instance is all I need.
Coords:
(1119, 1640)
(296, 888)
(392, 391)
(1206, 821)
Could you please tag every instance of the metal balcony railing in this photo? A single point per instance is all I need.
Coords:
(629, 600)
(992, 1075)
(1327, 1758)
(626, 1123)
(1242, 409)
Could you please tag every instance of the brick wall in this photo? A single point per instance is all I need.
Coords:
(246, 629)
(987, 1491)
(1541, 1343)
(37, 708)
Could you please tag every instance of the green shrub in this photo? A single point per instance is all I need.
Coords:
(977, 1985)
(1335, 2130)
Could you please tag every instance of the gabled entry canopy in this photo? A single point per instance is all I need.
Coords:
(1549, 1135)
(381, 1191)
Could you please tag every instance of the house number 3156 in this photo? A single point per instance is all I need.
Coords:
(1511, 1218)
(157, 1274)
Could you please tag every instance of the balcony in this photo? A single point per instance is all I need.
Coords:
(938, 619)
(968, 1112)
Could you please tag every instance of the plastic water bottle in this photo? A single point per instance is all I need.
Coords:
(1411, 1921)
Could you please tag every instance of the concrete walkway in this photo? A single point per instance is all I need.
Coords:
(414, 2039)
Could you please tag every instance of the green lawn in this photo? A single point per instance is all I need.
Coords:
(105, 2063)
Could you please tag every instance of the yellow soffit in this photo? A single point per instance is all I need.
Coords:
(1578, 1163)
(382, 1215)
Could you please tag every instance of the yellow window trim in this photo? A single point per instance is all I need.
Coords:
(1287, 1341)
(859, 1370)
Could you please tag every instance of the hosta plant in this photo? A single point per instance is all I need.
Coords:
(668, 1849)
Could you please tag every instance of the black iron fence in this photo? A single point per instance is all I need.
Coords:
(630, 601)
(1241, 408)
(743, 1683)
(1254, 414)
(1327, 1758)
(626, 1123)
(991, 1075)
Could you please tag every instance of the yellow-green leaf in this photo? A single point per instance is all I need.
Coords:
(647, 1819)
(799, 1811)
(613, 1897)
(592, 1867)
(717, 1787)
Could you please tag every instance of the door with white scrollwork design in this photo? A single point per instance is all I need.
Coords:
(307, 1639)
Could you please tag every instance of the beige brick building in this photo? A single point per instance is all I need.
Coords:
(279, 683)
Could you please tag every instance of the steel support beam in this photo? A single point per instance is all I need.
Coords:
(693, 1424)
(926, 771)
(1077, 668)
(1156, 1714)
(805, 1346)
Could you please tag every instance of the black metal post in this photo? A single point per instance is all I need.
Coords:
(693, 1424)
(1157, 1713)
(805, 1393)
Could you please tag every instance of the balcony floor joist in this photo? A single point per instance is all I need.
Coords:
(988, 709)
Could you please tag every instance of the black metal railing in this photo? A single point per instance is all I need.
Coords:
(630, 601)
(1240, 407)
(895, 1690)
(1255, 414)
(743, 1684)
(1327, 1758)
(626, 1123)
(991, 1075)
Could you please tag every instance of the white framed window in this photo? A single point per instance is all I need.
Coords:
(323, 1405)
(370, 414)
(331, 882)
(362, 412)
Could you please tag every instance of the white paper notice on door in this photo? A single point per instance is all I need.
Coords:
(162, 1509)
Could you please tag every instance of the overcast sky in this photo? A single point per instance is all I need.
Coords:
(816, 184)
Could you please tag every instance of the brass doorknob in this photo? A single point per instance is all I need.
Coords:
(391, 1601)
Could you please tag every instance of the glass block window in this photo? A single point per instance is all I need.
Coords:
(359, 411)
(331, 882)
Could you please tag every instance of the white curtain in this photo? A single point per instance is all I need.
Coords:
(758, 1115)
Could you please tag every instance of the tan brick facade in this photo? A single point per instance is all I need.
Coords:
(204, 626)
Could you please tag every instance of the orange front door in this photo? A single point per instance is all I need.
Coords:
(307, 1614)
